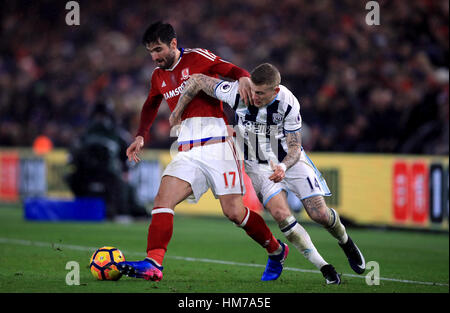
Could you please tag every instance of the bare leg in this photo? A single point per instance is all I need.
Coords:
(329, 218)
(171, 192)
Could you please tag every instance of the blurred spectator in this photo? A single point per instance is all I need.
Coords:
(98, 160)
(362, 88)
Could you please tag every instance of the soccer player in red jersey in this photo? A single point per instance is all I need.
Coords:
(207, 157)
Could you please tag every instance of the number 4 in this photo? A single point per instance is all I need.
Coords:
(226, 180)
(316, 183)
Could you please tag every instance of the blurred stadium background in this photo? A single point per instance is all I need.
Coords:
(374, 99)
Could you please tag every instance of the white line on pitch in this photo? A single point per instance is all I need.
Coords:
(85, 248)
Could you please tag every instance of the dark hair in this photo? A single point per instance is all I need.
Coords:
(266, 74)
(159, 31)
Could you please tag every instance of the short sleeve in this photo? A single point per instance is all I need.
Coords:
(293, 119)
(228, 92)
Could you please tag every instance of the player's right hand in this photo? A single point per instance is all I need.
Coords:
(278, 172)
(134, 149)
(174, 119)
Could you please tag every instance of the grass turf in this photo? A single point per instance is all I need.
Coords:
(211, 255)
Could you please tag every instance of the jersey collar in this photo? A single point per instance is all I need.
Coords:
(274, 99)
(179, 59)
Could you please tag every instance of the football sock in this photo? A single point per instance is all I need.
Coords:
(159, 234)
(298, 236)
(336, 228)
(256, 228)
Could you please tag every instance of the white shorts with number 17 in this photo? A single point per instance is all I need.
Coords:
(216, 166)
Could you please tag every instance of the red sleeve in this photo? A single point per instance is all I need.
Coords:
(221, 67)
(149, 110)
(229, 70)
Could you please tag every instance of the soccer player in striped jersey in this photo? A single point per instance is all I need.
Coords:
(200, 164)
(269, 133)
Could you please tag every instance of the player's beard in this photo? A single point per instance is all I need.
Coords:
(168, 62)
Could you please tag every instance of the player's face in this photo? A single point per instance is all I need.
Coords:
(162, 54)
(263, 94)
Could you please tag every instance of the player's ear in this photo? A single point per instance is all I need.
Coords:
(173, 43)
(277, 89)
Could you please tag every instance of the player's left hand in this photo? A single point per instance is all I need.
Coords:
(278, 172)
(245, 90)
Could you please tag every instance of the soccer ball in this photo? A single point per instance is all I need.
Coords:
(104, 261)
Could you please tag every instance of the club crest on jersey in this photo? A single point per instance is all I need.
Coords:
(185, 73)
(277, 118)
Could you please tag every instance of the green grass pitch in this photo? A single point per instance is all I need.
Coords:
(211, 255)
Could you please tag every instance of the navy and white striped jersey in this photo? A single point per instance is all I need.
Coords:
(261, 132)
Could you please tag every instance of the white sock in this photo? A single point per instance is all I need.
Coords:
(336, 228)
(298, 236)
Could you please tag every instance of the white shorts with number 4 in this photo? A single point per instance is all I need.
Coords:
(303, 179)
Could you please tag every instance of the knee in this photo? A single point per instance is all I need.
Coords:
(317, 209)
(233, 208)
(234, 214)
(234, 211)
(161, 201)
(321, 215)
(318, 212)
(280, 214)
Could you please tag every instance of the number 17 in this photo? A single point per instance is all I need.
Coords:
(226, 180)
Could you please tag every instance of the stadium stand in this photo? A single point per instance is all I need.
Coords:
(362, 88)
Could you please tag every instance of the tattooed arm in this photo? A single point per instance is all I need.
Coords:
(294, 142)
(195, 84)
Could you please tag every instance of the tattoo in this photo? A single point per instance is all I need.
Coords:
(294, 143)
(195, 84)
(190, 90)
(207, 84)
(317, 210)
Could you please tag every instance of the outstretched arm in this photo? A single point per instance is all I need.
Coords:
(195, 84)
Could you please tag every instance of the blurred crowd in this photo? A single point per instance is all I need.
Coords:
(362, 88)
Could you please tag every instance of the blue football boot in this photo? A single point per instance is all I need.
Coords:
(145, 269)
(275, 263)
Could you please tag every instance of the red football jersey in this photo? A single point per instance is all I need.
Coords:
(168, 84)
